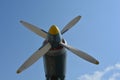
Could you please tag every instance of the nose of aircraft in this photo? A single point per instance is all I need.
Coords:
(54, 30)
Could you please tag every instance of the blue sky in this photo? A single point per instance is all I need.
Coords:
(97, 33)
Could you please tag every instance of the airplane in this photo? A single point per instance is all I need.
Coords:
(53, 51)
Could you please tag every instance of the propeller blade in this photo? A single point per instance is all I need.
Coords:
(40, 52)
(81, 54)
(35, 29)
(70, 24)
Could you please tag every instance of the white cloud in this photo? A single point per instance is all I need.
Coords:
(115, 76)
(113, 73)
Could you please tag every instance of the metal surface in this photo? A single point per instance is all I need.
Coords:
(55, 64)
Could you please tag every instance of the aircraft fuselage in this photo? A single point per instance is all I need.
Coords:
(55, 59)
(55, 64)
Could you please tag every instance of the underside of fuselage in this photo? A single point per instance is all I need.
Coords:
(55, 63)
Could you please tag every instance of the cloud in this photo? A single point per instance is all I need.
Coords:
(115, 76)
(109, 73)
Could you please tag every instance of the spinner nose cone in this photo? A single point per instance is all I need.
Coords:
(53, 30)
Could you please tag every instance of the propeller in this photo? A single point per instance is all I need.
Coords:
(35, 29)
(70, 24)
(80, 54)
(40, 52)
(45, 48)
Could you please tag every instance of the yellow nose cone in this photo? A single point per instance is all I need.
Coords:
(54, 30)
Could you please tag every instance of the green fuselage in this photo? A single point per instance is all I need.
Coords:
(55, 59)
